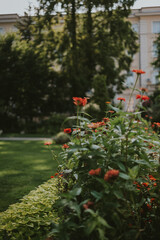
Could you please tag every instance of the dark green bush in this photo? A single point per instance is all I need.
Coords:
(93, 110)
(61, 138)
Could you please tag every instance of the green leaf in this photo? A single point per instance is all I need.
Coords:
(91, 226)
(76, 208)
(121, 166)
(115, 109)
(103, 222)
(95, 147)
(133, 172)
(76, 192)
(124, 176)
(101, 233)
(97, 195)
(118, 194)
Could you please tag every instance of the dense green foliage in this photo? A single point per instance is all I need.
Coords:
(155, 106)
(156, 63)
(24, 83)
(32, 217)
(23, 166)
(115, 168)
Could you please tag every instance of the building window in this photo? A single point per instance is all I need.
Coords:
(156, 27)
(14, 29)
(130, 79)
(155, 77)
(135, 27)
(1, 30)
(154, 50)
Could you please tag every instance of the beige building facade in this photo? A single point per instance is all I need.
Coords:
(146, 22)
(7, 22)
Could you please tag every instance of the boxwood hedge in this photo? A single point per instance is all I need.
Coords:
(31, 218)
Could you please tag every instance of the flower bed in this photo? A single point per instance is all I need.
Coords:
(111, 173)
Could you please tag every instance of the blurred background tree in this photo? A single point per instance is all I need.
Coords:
(155, 107)
(44, 66)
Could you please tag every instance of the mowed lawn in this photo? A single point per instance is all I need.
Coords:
(23, 166)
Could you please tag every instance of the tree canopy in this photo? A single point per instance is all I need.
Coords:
(48, 62)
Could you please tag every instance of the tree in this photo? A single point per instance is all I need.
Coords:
(96, 39)
(24, 79)
(156, 63)
(101, 94)
(25, 25)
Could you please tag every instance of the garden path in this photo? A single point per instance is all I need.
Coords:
(24, 139)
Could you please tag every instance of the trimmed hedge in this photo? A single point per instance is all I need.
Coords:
(31, 218)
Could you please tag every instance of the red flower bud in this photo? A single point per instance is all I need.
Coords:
(111, 175)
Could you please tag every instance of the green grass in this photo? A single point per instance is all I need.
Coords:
(23, 166)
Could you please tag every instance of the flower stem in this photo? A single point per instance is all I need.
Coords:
(77, 116)
(132, 91)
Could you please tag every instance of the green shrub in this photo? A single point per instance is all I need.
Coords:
(53, 124)
(114, 165)
(93, 110)
(61, 138)
(32, 217)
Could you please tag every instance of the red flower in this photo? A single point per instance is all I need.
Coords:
(111, 111)
(88, 205)
(138, 96)
(56, 174)
(93, 172)
(79, 101)
(97, 171)
(138, 71)
(67, 130)
(149, 206)
(111, 175)
(105, 119)
(121, 99)
(144, 89)
(152, 178)
(52, 176)
(158, 124)
(94, 125)
(152, 200)
(47, 143)
(145, 98)
(101, 124)
(145, 184)
(65, 146)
